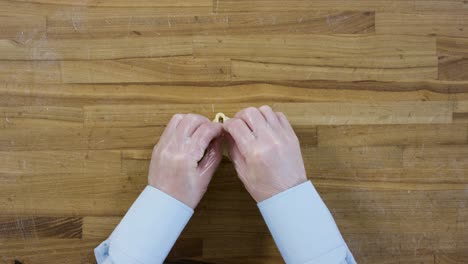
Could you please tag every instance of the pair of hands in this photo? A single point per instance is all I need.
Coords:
(261, 143)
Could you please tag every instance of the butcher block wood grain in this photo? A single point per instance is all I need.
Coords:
(345, 22)
(93, 49)
(436, 23)
(376, 90)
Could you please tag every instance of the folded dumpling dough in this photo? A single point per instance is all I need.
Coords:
(220, 118)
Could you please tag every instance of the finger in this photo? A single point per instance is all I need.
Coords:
(206, 133)
(240, 132)
(234, 153)
(253, 118)
(189, 124)
(214, 153)
(270, 116)
(171, 126)
(285, 123)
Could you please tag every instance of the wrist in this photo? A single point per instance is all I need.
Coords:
(180, 196)
(129, 241)
(262, 195)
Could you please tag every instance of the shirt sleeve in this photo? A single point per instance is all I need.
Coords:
(147, 232)
(303, 228)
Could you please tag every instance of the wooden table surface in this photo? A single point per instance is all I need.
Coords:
(377, 91)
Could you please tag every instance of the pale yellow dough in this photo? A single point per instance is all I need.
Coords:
(220, 118)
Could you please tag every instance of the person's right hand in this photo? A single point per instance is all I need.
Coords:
(265, 152)
(185, 158)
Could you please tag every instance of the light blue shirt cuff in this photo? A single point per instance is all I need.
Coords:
(303, 228)
(147, 232)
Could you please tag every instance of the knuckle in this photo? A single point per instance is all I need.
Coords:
(265, 107)
(241, 113)
(200, 117)
(250, 110)
(191, 116)
(196, 116)
(177, 116)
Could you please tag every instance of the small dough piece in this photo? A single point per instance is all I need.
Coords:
(220, 118)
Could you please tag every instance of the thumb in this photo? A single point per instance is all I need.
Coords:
(210, 161)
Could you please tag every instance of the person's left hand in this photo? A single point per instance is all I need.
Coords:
(185, 158)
